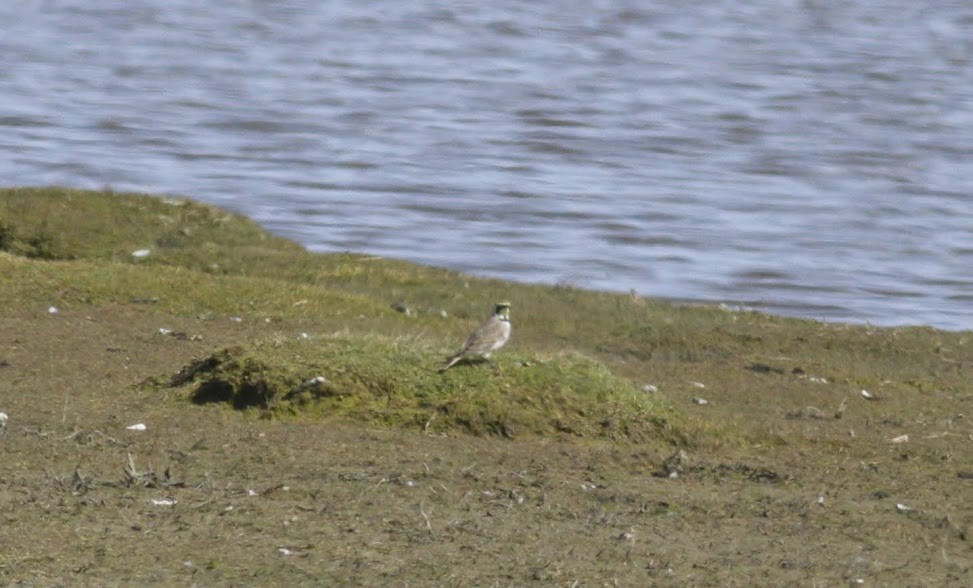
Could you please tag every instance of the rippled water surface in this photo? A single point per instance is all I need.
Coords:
(810, 158)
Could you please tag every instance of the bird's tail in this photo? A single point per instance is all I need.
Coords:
(451, 362)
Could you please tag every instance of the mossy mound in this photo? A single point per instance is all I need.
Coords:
(56, 223)
(65, 224)
(391, 382)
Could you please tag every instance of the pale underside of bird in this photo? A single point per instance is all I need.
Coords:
(491, 335)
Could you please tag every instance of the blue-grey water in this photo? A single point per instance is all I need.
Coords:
(804, 157)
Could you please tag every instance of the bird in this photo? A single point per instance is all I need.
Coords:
(491, 335)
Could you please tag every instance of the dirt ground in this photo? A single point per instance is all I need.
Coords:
(209, 496)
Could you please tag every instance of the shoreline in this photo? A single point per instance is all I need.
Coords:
(621, 439)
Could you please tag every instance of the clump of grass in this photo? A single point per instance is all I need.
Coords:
(394, 382)
(39, 243)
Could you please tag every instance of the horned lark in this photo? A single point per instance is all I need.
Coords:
(487, 338)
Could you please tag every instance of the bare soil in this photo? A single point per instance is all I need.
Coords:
(206, 495)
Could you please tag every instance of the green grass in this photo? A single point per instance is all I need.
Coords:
(74, 248)
(394, 382)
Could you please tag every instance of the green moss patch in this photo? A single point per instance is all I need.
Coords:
(391, 382)
(60, 223)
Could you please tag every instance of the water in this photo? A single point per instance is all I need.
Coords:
(809, 158)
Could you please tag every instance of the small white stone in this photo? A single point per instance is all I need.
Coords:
(53, 310)
(899, 439)
(285, 551)
(698, 384)
(136, 427)
(314, 382)
(650, 388)
(164, 502)
(820, 500)
(902, 508)
(141, 253)
(164, 331)
(700, 401)
(867, 395)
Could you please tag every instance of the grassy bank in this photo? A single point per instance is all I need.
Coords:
(119, 307)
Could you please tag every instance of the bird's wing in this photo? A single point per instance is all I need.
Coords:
(483, 339)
